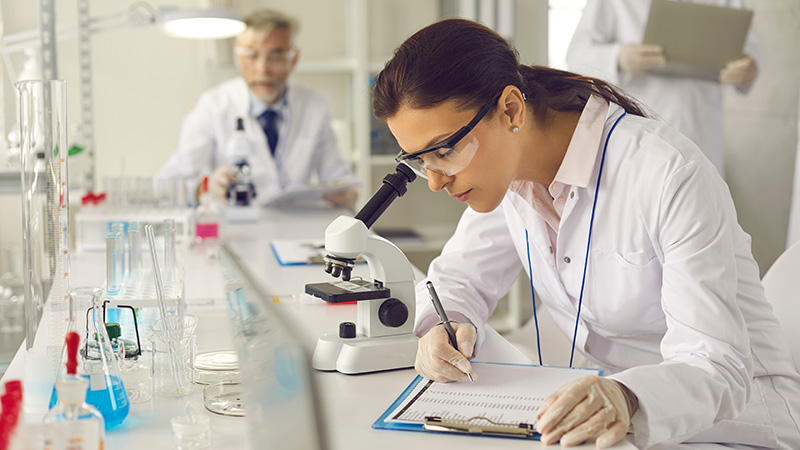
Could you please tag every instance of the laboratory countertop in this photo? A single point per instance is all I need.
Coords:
(350, 403)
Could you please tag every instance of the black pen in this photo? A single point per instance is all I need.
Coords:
(437, 305)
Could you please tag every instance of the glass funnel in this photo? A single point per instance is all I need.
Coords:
(45, 222)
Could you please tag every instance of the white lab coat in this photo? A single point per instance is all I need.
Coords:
(307, 149)
(692, 106)
(673, 306)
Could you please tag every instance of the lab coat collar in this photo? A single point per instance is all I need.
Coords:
(258, 106)
(579, 162)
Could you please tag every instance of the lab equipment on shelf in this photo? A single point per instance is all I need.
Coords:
(383, 338)
(45, 222)
(71, 420)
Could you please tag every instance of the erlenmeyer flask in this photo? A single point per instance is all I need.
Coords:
(45, 222)
(98, 363)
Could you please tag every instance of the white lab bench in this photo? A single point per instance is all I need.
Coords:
(350, 403)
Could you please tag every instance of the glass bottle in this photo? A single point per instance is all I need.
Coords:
(207, 216)
(98, 364)
(72, 421)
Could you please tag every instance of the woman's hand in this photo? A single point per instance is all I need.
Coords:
(588, 408)
(437, 360)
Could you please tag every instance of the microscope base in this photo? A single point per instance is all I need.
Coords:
(365, 354)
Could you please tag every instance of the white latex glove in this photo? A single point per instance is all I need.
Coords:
(437, 360)
(587, 408)
(218, 183)
(637, 58)
(345, 200)
(740, 72)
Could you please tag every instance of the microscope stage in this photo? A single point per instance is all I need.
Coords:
(347, 291)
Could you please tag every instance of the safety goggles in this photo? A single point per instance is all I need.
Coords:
(449, 156)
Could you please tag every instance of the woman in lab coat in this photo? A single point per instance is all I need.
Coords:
(643, 262)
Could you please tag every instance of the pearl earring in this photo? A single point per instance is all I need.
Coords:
(514, 129)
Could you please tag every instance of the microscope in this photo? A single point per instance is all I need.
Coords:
(242, 191)
(382, 338)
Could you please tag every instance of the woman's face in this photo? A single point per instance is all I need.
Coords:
(483, 183)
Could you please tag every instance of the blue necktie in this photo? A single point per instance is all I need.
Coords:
(267, 121)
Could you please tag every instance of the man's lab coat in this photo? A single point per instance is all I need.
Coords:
(307, 149)
(692, 106)
(673, 306)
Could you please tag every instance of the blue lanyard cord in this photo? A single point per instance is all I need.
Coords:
(589, 240)
(533, 297)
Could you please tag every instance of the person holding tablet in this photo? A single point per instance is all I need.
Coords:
(608, 44)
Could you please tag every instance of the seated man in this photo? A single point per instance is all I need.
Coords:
(287, 123)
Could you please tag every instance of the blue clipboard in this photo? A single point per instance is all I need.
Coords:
(383, 424)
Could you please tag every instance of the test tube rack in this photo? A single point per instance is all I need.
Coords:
(94, 222)
(140, 292)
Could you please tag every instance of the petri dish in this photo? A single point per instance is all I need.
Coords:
(224, 398)
(220, 360)
(216, 367)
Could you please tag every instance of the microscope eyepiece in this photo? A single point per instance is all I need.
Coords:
(394, 185)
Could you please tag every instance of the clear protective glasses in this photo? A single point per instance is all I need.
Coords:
(449, 156)
(276, 59)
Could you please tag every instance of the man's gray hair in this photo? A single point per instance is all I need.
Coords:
(267, 20)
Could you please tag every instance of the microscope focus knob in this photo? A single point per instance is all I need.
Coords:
(347, 330)
(393, 313)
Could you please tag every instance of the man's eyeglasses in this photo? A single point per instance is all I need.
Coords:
(451, 155)
(276, 59)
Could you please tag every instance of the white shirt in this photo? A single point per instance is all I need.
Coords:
(673, 306)
(307, 150)
(692, 106)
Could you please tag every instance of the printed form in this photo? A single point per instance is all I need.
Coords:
(502, 393)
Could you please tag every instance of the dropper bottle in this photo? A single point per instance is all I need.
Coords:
(80, 425)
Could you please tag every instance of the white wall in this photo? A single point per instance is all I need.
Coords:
(761, 131)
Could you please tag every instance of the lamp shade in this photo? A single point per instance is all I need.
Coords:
(200, 23)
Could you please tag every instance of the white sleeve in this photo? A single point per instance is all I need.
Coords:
(477, 267)
(195, 155)
(594, 49)
(707, 366)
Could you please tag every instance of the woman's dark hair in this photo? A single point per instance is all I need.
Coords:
(461, 60)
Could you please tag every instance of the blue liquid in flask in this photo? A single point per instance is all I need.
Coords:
(111, 401)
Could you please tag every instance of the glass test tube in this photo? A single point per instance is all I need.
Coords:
(134, 250)
(169, 252)
(113, 263)
(119, 228)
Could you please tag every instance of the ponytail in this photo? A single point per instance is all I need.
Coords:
(548, 88)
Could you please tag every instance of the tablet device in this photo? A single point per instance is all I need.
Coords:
(308, 195)
(698, 40)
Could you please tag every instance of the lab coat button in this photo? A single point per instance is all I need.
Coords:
(567, 260)
(551, 249)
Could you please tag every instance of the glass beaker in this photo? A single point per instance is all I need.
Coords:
(173, 343)
(45, 222)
